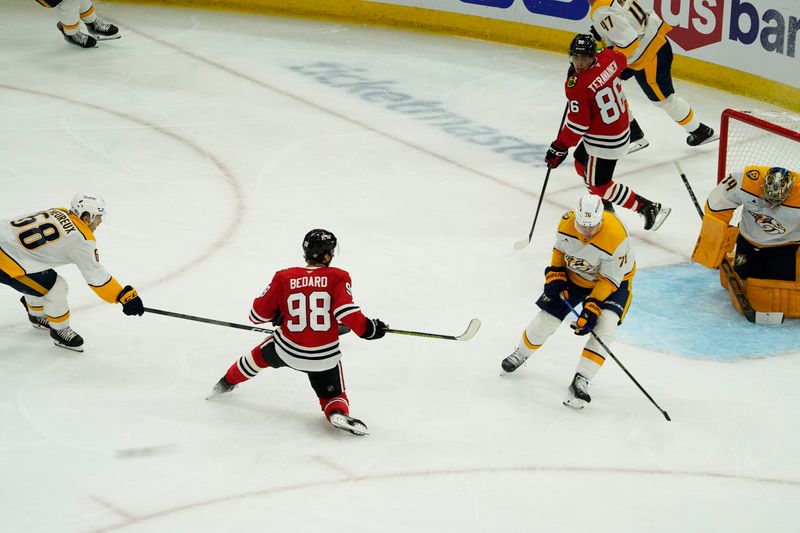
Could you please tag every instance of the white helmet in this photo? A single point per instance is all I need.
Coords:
(589, 215)
(88, 203)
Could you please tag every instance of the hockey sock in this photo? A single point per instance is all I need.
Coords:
(246, 367)
(590, 363)
(537, 331)
(680, 111)
(618, 194)
(335, 403)
(87, 12)
(35, 305)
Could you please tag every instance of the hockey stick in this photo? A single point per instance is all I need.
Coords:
(472, 329)
(614, 357)
(206, 320)
(519, 245)
(756, 317)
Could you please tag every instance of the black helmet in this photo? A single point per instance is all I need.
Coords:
(583, 45)
(317, 243)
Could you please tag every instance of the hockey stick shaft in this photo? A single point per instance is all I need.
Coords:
(689, 189)
(522, 244)
(206, 320)
(614, 357)
(472, 328)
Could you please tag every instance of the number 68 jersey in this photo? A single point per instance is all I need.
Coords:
(52, 238)
(312, 301)
(597, 109)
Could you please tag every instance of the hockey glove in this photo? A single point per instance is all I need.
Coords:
(555, 282)
(131, 303)
(556, 154)
(588, 319)
(375, 329)
(277, 319)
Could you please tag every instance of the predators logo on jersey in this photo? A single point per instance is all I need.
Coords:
(768, 224)
(753, 174)
(580, 265)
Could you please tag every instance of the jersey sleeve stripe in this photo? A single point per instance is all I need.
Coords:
(255, 318)
(345, 310)
(109, 290)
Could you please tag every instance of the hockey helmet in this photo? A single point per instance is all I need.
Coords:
(583, 45)
(88, 203)
(777, 186)
(317, 243)
(589, 215)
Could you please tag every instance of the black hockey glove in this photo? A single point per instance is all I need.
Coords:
(556, 154)
(131, 303)
(376, 329)
(588, 319)
(277, 319)
(555, 282)
(343, 330)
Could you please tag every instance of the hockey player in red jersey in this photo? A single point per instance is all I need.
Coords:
(597, 120)
(307, 304)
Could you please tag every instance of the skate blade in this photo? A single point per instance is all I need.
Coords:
(99, 38)
(215, 393)
(73, 348)
(575, 403)
(711, 139)
(39, 326)
(340, 422)
(662, 216)
(635, 146)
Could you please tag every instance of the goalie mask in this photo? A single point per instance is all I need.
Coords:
(317, 243)
(88, 203)
(589, 215)
(777, 186)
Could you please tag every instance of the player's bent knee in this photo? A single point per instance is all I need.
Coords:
(58, 292)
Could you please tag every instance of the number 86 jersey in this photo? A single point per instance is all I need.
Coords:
(597, 109)
(312, 301)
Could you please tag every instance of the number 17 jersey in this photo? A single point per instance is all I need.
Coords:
(312, 301)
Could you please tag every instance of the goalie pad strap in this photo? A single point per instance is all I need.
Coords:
(715, 240)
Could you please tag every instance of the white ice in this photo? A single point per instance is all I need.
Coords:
(215, 158)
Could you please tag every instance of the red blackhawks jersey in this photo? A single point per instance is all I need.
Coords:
(312, 300)
(597, 108)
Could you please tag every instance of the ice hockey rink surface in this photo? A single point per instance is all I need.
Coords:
(218, 139)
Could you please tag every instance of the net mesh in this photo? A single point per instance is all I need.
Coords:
(759, 138)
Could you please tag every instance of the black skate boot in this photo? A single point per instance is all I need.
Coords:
(39, 322)
(78, 39)
(577, 395)
(341, 421)
(103, 29)
(608, 206)
(513, 361)
(637, 142)
(702, 135)
(222, 386)
(653, 212)
(67, 338)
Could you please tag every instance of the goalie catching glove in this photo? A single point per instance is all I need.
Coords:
(375, 329)
(588, 319)
(131, 303)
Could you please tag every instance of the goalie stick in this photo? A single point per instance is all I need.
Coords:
(614, 357)
(756, 317)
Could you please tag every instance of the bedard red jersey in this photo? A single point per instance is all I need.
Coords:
(312, 300)
(597, 109)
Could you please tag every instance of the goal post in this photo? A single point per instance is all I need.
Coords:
(768, 138)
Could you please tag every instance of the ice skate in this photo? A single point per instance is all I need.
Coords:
(513, 361)
(221, 387)
(702, 135)
(67, 338)
(39, 322)
(78, 39)
(637, 141)
(341, 421)
(577, 397)
(103, 30)
(654, 214)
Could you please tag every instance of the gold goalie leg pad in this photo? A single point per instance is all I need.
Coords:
(716, 239)
(768, 295)
(726, 284)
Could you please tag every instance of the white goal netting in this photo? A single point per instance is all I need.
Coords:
(758, 138)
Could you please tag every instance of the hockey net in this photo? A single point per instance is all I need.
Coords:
(769, 138)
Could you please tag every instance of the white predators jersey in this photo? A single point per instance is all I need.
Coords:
(761, 224)
(630, 28)
(606, 255)
(51, 238)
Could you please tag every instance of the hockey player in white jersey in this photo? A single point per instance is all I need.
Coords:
(641, 35)
(71, 13)
(31, 245)
(767, 239)
(592, 264)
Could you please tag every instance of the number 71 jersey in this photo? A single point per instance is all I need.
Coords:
(597, 109)
(312, 301)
